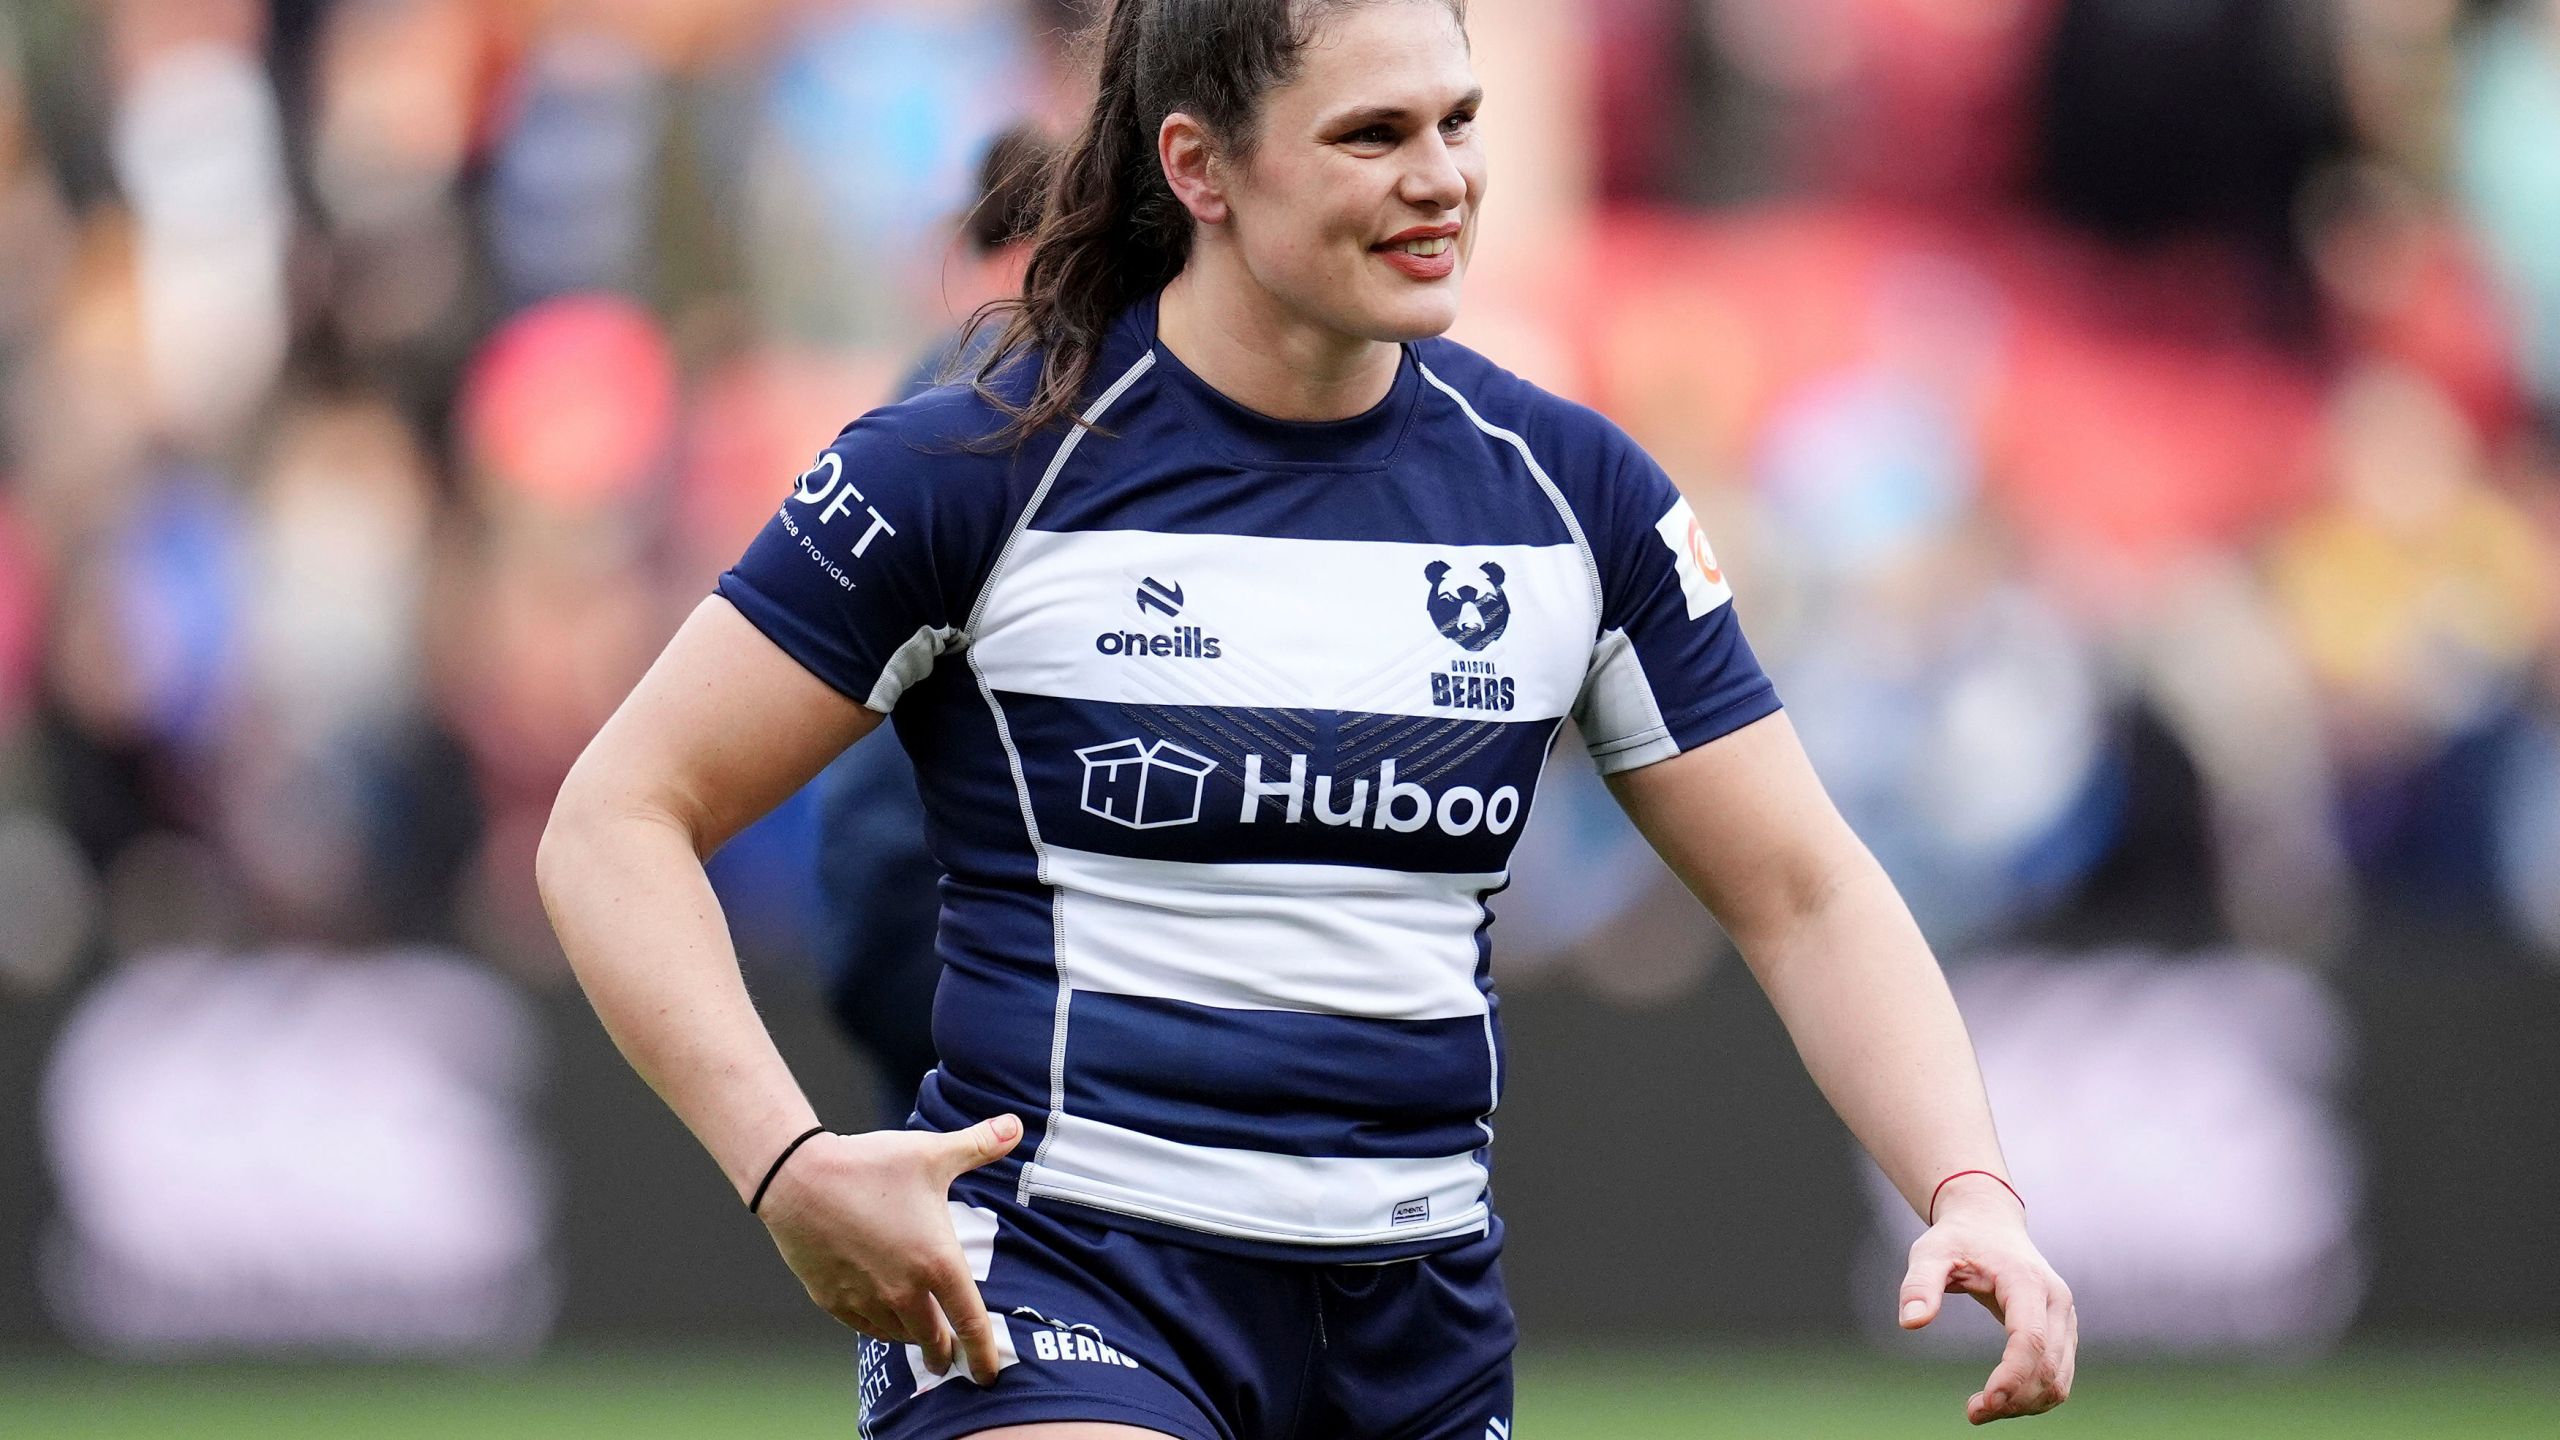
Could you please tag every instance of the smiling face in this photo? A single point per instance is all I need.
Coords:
(1355, 209)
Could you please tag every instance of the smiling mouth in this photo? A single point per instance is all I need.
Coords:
(1426, 245)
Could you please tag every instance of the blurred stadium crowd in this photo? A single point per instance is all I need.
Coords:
(2135, 429)
(2132, 424)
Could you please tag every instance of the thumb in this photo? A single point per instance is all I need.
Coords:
(983, 1143)
(1924, 1286)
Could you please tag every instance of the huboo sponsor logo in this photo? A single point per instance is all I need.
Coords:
(1147, 785)
(1143, 786)
(1402, 805)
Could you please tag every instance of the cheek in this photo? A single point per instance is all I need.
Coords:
(1291, 213)
(1315, 232)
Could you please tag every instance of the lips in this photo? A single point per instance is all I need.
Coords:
(1447, 230)
(1424, 252)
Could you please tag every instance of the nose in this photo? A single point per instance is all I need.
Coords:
(1433, 180)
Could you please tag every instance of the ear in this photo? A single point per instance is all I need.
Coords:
(1433, 571)
(1492, 572)
(1191, 169)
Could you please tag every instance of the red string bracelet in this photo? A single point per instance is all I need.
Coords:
(2005, 1185)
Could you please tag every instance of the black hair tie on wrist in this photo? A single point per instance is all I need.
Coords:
(787, 1152)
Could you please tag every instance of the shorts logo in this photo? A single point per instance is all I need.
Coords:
(1057, 1340)
(1497, 1428)
(1143, 786)
(1467, 603)
(872, 1370)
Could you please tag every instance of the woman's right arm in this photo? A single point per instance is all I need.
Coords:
(724, 727)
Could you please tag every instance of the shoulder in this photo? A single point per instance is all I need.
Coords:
(1575, 435)
(933, 451)
(917, 485)
(947, 422)
(1592, 461)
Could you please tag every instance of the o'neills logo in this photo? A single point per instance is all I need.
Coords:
(1185, 643)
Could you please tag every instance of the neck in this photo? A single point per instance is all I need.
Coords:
(1232, 334)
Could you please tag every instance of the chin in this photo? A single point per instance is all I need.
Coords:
(1415, 316)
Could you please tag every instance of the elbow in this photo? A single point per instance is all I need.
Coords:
(1809, 896)
(1800, 901)
(582, 816)
(556, 858)
(591, 826)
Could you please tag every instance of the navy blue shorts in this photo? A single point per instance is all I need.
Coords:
(1110, 1325)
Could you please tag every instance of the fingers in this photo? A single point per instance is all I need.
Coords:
(921, 1322)
(976, 1329)
(2022, 1362)
(1924, 1284)
(2070, 1366)
(862, 1319)
(2035, 1369)
(982, 1144)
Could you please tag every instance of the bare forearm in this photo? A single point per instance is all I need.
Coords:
(645, 935)
(1744, 822)
(1871, 1015)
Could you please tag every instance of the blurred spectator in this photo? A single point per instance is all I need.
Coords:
(383, 364)
(2510, 173)
(876, 873)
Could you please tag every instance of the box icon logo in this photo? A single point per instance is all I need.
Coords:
(1143, 786)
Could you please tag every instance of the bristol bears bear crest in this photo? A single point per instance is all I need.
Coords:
(1467, 602)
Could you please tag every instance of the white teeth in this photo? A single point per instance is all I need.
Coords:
(1430, 245)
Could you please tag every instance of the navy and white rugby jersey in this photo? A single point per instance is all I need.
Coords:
(1225, 728)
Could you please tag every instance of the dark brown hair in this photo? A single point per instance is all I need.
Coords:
(1011, 176)
(1111, 231)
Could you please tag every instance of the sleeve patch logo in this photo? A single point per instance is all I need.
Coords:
(825, 483)
(1701, 583)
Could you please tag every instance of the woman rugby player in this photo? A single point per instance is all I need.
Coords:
(1228, 616)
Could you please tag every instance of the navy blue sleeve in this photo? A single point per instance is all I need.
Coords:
(1669, 670)
(867, 572)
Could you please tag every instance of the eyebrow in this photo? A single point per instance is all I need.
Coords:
(1368, 115)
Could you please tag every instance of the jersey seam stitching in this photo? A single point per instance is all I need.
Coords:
(1555, 496)
(1021, 779)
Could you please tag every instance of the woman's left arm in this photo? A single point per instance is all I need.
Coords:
(1746, 825)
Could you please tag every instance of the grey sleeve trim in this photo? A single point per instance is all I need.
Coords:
(1636, 754)
(1621, 724)
(910, 663)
